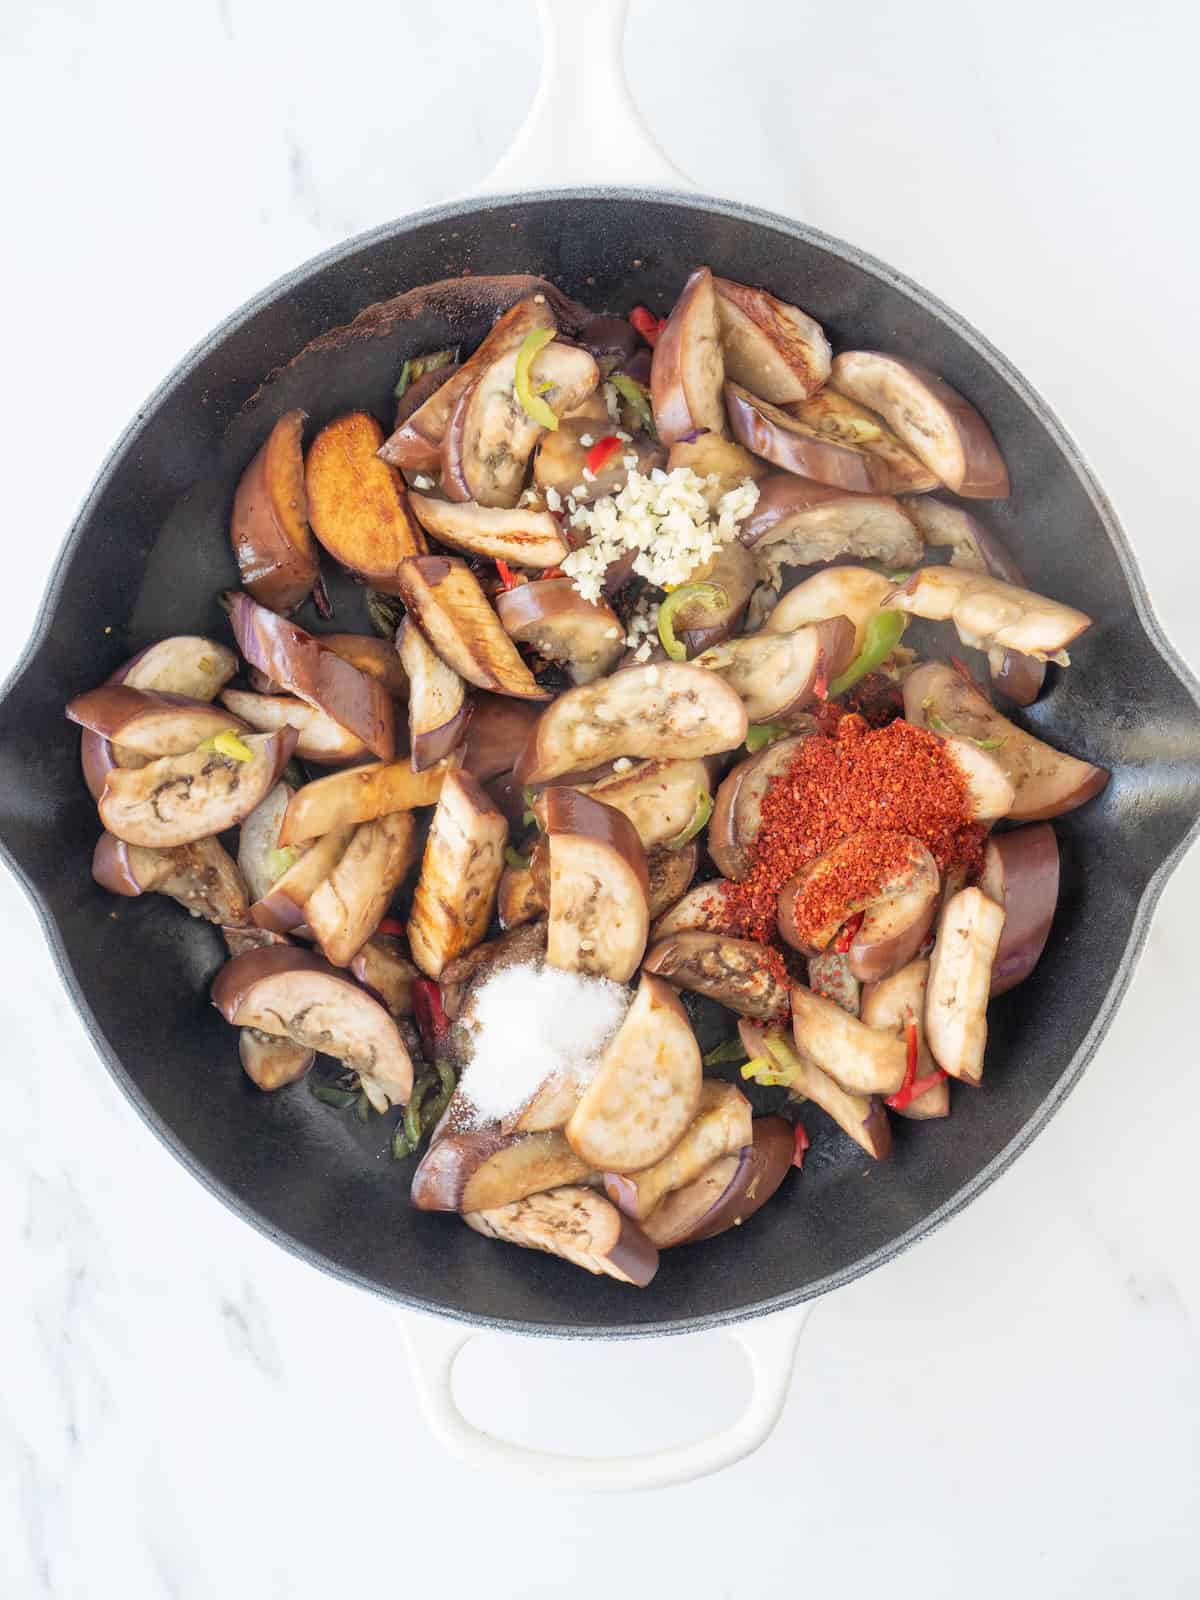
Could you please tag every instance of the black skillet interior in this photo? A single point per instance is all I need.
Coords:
(147, 557)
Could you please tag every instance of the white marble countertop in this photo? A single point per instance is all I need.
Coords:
(186, 1410)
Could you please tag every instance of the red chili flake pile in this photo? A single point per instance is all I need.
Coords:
(860, 780)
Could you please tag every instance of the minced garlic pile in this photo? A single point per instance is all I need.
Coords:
(665, 517)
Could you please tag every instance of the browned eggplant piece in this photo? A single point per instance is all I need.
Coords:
(424, 385)
(711, 456)
(319, 737)
(484, 1168)
(416, 445)
(186, 664)
(795, 446)
(763, 599)
(853, 592)
(845, 421)
(561, 460)
(490, 438)
(345, 910)
(554, 619)
(672, 711)
(829, 975)
(646, 1090)
(897, 913)
(800, 523)
(775, 349)
(271, 1062)
(261, 858)
(731, 1190)
(670, 872)
(496, 735)
(356, 502)
(861, 1116)
(438, 709)
(660, 798)
(700, 910)
(960, 976)
(518, 900)
(383, 968)
(280, 907)
(939, 426)
(990, 791)
(143, 723)
(737, 810)
(272, 542)
(1018, 676)
(460, 873)
(202, 877)
(989, 613)
(893, 1003)
(1020, 873)
(295, 661)
(376, 657)
(687, 369)
(737, 972)
(863, 1060)
(452, 611)
(723, 1125)
(611, 340)
(523, 537)
(706, 620)
(1045, 781)
(599, 891)
(577, 1224)
(292, 993)
(179, 799)
(358, 795)
(777, 675)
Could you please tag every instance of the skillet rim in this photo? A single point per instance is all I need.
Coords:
(986, 351)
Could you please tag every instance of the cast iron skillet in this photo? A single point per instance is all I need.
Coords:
(148, 554)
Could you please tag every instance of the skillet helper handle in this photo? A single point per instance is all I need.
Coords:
(769, 1344)
(583, 128)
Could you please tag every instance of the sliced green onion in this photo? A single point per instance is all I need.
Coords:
(384, 614)
(940, 725)
(884, 632)
(638, 397)
(226, 744)
(725, 1055)
(700, 816)
(412, 1111)
(403, 381)
(418, 366)
(513, 858)
(280, 860)
(330, 1095)
(710, 596)
(363, 1107)
(763, 734)
(533, 404)
(432, 1110)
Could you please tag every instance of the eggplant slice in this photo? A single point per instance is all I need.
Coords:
(577, 1224)
(460, 874)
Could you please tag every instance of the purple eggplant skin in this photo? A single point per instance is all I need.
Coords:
(1021, 873)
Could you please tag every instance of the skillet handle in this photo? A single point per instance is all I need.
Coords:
(583, 128)
(769, 1344)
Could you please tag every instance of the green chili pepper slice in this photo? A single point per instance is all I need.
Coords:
(704, 805)
(763, 734)
(533, 404)
(884, 632)
(226, 744)
(638, 397)
(940, 725)
(725, 1055)
(711, 597)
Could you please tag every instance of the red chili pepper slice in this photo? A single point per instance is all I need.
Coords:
(554, 572)
(647, 324)
(803, 1145)
(963, 670)
(432, 1022)
(849, 933)
(602, 452)
(912, 1087)
(508, 577)
(394, 926)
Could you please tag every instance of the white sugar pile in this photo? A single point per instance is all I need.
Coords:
(532, 1024)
